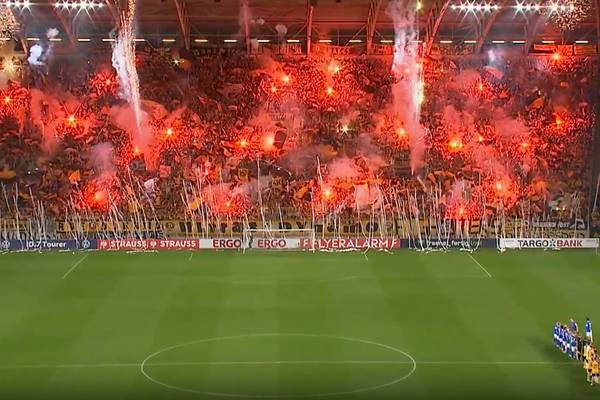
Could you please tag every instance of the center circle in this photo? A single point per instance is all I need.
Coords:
(308, 357)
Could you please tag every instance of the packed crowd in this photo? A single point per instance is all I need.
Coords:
(233, 136)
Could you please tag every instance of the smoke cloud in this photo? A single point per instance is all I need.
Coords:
(408, 90)
(102, 157)
(35, 53)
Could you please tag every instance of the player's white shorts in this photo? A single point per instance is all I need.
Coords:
(589, 335)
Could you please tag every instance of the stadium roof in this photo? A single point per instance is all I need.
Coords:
(213, 21)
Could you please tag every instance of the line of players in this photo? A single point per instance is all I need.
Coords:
(567, 339)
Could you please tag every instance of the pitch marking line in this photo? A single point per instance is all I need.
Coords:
(190, 258)
(480, 266)
(75, 265)
(147, 362)
(278, 362)
(271, 282)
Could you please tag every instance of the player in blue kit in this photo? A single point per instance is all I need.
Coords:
(574, 326)
(560, 337)
(570, 343)
(588, 330)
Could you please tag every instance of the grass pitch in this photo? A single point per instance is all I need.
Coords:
(293, 325)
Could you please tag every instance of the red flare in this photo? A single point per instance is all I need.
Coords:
(71, 121)
(455, 144)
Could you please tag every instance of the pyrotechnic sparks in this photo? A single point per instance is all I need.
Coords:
(333, 67)
(14, 100)
(559, 122)
(455, 145)
(270, 141)
(8, 65)
(9, 26)
(123, 60)
(99, 193)
(99, 196)
(104, 83)
(408, 92)
(567, 14)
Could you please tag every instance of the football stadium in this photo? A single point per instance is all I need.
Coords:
(299, 199)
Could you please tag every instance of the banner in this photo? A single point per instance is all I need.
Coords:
(261, 244)
(451, 243)
(235, 243)
(536, 243)
(584, 49)
(382, 49)
(289, 49)
(544, 48)
(349, 244)
(151, 244)
(57, 245)
(221, 244)
(207, 51)
(332, 50)
(565, 49)
(301, 243)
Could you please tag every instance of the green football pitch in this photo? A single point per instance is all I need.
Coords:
(209, 325)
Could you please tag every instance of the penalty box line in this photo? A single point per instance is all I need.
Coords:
(284, 362)
(480, 266)
(82, 259)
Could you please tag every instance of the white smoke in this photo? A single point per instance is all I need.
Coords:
(408, 90)
(35, 53)
(102, 157)
(37, 56)
(123, 61)
(366, 196)
(281, 31)
(52, 33)
(343, 168)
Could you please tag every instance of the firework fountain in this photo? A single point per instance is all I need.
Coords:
(123, 60)
(408, 91)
